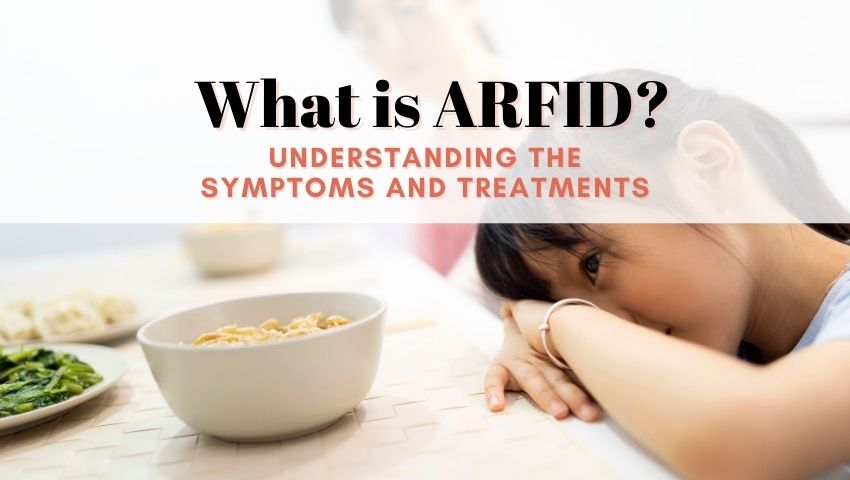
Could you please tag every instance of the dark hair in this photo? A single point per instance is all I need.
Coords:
(501, 249)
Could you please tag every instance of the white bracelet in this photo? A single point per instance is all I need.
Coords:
(544, 327)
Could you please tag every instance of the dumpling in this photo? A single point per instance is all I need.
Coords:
(25, 305)
(115, 308)
(66, 315)
(15, 326)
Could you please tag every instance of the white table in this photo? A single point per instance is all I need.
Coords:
(425, 416)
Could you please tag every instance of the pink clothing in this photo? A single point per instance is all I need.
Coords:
(441, 244)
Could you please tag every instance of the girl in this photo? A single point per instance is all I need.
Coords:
(723, 348)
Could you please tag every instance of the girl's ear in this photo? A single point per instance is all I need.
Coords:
(710, 154)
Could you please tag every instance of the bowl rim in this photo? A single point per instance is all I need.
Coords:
(144, 340)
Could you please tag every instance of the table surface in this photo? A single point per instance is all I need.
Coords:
(425, 415)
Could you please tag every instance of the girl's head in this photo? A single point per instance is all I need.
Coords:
(695, 282)
(682, 280)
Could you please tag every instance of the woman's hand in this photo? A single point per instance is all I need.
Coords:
(518, 367)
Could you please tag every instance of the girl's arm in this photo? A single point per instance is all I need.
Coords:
(704, 412)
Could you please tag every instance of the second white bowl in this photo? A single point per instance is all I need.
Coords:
(232, 249)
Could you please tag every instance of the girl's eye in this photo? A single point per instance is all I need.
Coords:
(590, 266)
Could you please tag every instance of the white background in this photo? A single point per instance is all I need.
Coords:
(101, 120)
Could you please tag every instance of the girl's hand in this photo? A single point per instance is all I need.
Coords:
(528, 315)
(518, 367)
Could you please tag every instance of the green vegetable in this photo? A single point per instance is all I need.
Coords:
(36, 377)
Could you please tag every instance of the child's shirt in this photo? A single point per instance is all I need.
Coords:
(832, 322)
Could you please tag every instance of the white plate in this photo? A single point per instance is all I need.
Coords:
(108, 362)
(101, 335)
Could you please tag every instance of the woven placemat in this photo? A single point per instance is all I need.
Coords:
(425, 417)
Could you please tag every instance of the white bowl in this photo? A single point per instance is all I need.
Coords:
(231, 249)
(272, 390)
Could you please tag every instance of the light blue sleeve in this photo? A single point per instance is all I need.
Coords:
(835, 324)
(832, 321)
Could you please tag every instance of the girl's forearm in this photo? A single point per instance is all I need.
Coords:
(668, 393)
